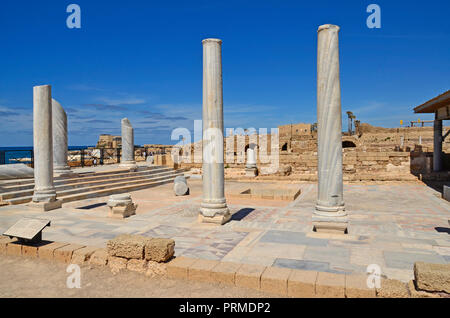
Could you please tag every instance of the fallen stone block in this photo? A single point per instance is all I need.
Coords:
(180, 186)
(392, 288)
(128, 246)
(178, 267)
(121, 206)
(419, 293)
(249, 276)
(302, 284)
(330, 285)
(156, 269)
(137, 265)
(275, 279)
(159, 249)
(432, 277)
(99, 257)
(117, 264)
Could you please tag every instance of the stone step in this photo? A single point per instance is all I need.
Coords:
(81, 183)
(67, 181)
(8, 183)
(91, 192)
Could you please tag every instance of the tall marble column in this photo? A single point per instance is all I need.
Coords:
(213, 207)
(437, 145)
(44, 197)
(329, 214)
(59, 129)
(127, 159)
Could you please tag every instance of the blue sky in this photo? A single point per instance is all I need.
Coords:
(143, 60)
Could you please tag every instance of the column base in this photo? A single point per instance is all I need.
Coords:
(218, 219)
(251, 172)
(45, 206)
(330, 222)
(129, 165)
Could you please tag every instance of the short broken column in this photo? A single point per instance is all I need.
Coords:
(329, 214)
(60, 151)
(250, 167)
(44, 197)
(214, 206)
(127, 159)
(121, 206)
(180, 186)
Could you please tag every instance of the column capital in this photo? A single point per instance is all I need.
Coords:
(211, 40)
(328, 27)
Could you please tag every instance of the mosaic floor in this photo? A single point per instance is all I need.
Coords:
(392, 225)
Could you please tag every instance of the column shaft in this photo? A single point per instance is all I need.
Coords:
(127, 159)
(214, 207)
(44, 191)
(59, 128)
(329, 212)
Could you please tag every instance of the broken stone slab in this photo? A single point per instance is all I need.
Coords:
(432, 277)
(16, 171)
(180, 186)
(159, 250)
(128, 246)
(121, 206)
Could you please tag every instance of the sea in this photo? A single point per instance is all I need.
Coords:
(11, 154)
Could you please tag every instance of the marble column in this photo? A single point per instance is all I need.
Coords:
(59, 130)
(437, 145)
(250, 167)
(213, 207)
(44, 197)
(329, 214)
(127, 159)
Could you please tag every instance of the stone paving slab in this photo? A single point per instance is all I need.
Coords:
(391, 225)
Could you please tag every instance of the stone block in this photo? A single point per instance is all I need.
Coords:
(117, 264)
(274, 280)
(225, 272)
(200, 270)
(330, 285)
(156, 269)
(137, 265)
(249, 276)
(178, 267)
(99, 257)
(47, 251)
(159, 249)
(432, 277)
(419, 293)
(392, 288)
(64, 253)
(4, 240)
(356, 287)
(302, 284)
(82, 255)
(14, 248)
(128, 246)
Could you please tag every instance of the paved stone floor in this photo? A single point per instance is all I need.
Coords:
(392, 225)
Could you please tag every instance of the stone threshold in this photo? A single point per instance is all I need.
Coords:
(274, 280)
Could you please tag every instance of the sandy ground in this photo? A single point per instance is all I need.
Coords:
(25, 277)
